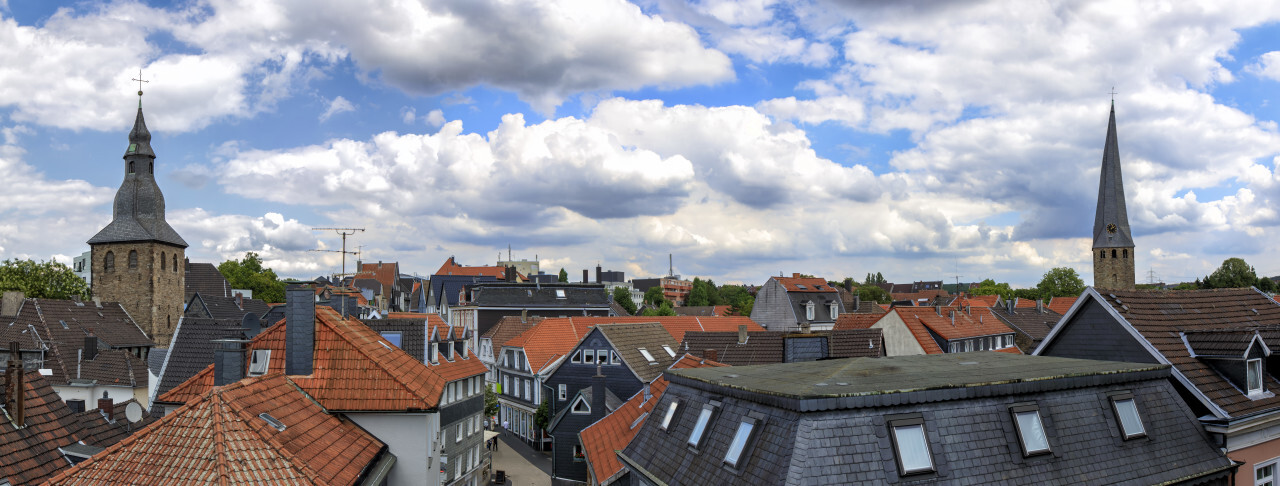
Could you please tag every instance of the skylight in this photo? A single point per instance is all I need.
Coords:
(801, 286)
(734, 454)
(393, 338)
(912, 448)
(1031, 431)
(272, 421)
(647, 356)
(671, 412)
(669, 350)
(1127, 412)
(559, 293)
(695, 436)
(258, 362)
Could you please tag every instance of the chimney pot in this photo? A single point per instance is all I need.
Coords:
(1040, 306)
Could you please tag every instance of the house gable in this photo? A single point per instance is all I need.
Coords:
(1091, 332)
(898, 339)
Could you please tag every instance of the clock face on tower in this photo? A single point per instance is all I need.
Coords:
(1111, 228)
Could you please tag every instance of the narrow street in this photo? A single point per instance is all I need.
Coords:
(523, 465)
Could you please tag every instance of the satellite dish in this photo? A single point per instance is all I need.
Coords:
(133, 412)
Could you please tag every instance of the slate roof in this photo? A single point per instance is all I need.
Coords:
(355, 369)
(415, 332)
(825, 422)
(1111, 205)
(445, 289)
(110, 324)
(677, 325)
(701, 310)
(192, 349)
(205, 279)
(1161, 316)
(601, 440)
(215, 307)
(627, 339)
(553, 338)
(507, 328)
(538, 295)
(1034, 324)
(223, 438)
(769, 347)
(102, 432)
(611, 403)
(857, 343)
(138, 210)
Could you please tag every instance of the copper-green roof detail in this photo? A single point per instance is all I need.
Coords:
(1111, 224)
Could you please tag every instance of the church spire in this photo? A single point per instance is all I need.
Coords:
(139, 139)
(1111, 223)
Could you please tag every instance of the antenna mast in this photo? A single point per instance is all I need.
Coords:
(344, 232)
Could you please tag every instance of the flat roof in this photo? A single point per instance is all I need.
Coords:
(852, 381)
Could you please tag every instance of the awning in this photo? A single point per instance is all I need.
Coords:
(489, 434)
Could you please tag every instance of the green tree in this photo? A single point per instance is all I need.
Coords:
(623, 297)
(663, 309)
(871, 293)
(990, 287)
(1265, 284)
(1060, 282)
(564, 276)
(1233, 273)
(654, 296)
(740, 301)
(248, 273)
(490, 402)
(704, 292)
(1030, 294)
(44, 280)
(542, 418)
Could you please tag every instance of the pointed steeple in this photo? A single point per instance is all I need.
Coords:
(1111, 223)
(138, 211)
(139, 138)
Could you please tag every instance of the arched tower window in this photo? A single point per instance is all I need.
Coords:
(130, 166)
(175, 262)
(1113, 253)
(162, 262)
(109, 262)
(1102, 254)
(1125, 253)
(151, 167)
(133, 259)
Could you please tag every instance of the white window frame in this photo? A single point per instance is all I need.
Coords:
(670, 352)
(808, 311)
(1122, 404)
(738, 448)
(457, 434)
(897, 429)
(563, 391)
(835, 310)
(1253, 372)
(667, 420)
(589, 353)
(527, 396)
(649, 357)
(262, 359)
(1270, 466)
(580, 401)
(698, 436)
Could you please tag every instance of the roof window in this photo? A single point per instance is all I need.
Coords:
(671, 413)
(910, 447)
(258, 362)
(801, 286)
(1127, 415)
(670, 352)
(393, 338)
(737, 449)
(648, 357)
(272, 421)
(559, 293)
(699, 431)
(580, 406)
(1030, 429)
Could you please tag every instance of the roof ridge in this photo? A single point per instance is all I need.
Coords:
(395, 376)
(219, 435)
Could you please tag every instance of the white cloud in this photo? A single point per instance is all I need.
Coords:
(408, 115)
(1268, 66)
(435, 118)
(337, 105)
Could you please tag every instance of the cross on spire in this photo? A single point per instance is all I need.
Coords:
(1113, 95)
(140, 81)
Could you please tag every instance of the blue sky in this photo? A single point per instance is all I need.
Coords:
(747, 138)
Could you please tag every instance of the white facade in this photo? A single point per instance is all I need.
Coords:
(414, 438)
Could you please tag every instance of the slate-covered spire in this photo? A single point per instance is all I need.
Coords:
(138, 212)
(1111, 224)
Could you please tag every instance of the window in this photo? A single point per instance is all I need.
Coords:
(175, 262)
(1255, 376)
(132, 148)
(835, 310)
(392, 337)
(564, 392)
(162, 262)
(527, 386)
(669, 351)
(457, 434)
(1264, 475)
(1113, 253)
(648, 357)
(559, 293)
(746, 429)
(801, 286)
(1030, 430)
(671, 413)
(699, 431)
(910, 447)
(954, 346)
(1127, 415)
(580, 406)
(506, 384)
(808, 311)
(258, 362)
(614, 359)
(578, 456)
(589, 356)
(968, 346)
(109, 262)
(577, 357)
(133, 259)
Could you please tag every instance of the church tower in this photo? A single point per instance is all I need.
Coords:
(137, 259)
(1113, 254)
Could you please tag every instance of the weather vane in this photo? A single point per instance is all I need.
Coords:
(140, 81)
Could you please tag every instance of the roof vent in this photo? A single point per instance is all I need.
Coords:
(1111, 295)
(1118, 301)
(1255, 311)
(272, 421)
(1125, 307)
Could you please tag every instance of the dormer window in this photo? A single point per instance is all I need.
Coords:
(559, 293)
(835, 310)
(1254, 376)
(1127, 416)
(808, 311)
(580, 406)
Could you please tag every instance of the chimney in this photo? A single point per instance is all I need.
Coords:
(598, 272)
(524, 315)
(107, 406)
(228, 361)
(742, 334)
(938, 309)
(586, 276)
(857, 303)
(1010, 304)
(10, 303)
(240, 300)
(711, 354)
(953, 318)
(795, 275)
(90, 347)
(510, 274)
(1039, 306)
(15, 395)
(97, 302)
(597, 393)
(300, 330)
(848, 285)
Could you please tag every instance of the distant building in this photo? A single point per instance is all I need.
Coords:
(523, 266)
(673, 288)
(81, 266)
(744, 348)
(797, 303)
(977, 418)
(482, 305)
(1113, 248)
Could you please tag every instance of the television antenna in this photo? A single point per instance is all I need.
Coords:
(344, 232)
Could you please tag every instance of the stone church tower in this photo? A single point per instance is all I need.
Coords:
(137, 260)
(1113, 254)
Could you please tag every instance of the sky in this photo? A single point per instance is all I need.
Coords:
(744, 138)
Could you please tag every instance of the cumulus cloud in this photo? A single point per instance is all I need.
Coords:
(1268, 66)
(337, 105)
(434, 118)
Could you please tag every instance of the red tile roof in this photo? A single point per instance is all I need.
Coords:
(353, 370)
(963, 326)
(1019, 303)
(857, 321)
(601, 440)
(979, 300)
(451, 267)
(554, 337)
(917, 329)
(678, 325)
(795, 284)
(1062, 304)
(384, 273)
(30, 454)
(222, 438)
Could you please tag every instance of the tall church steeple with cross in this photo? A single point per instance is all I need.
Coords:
(1113, 250)
(137, 259)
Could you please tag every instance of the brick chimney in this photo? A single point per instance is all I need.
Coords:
(300, 330)
(10, 303)
(107, 406)
(15, 395)
(795, 275)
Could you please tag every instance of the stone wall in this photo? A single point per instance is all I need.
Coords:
(1113, 268)
(151, 292)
